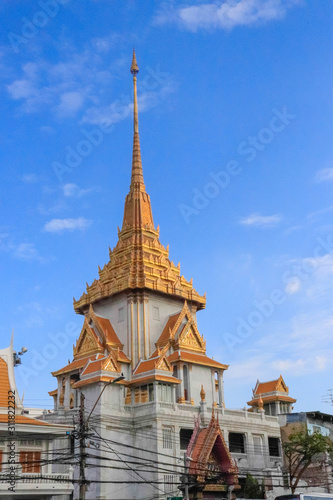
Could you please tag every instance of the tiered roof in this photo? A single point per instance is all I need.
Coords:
(273, 390)
(139, 260)
(209, 454)
(97, 353)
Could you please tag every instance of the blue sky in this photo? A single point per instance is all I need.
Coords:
(235, 103)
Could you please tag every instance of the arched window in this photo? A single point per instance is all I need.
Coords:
(217, 387)
(185, 381)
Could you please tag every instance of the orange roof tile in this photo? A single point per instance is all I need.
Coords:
(123, 358)
(267, 399)
(151, 378)
(4, 383)
(146, 366)
(22, 419)
(266, 386)
(271, 386)
(164, 337)
(54, 392)
(199, 359)
(109, 332)
(75, 365)
(98, 378)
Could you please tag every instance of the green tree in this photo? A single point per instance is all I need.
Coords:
(252, 488)
(303, 449)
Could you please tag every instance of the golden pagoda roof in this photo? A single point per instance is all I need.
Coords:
(138, 260)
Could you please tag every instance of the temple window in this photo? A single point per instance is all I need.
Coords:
(30, 461)
(217, 391)
(274, 446)
(121, 314)
(186, 384)
(156, 313)
(165, 393)
(167, 438)
(184, 437)
(236, 442)
(144, 394)
(151, 392)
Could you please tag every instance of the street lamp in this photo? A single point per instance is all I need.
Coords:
(111, 382)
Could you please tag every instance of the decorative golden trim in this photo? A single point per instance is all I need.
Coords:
(138, 328)
(145, 329)
(132, 339)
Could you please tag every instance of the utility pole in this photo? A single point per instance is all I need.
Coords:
(83, 427)
(186, 497)
(82, 432)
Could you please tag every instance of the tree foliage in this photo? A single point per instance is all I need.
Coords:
(252, 488)
(303, 449)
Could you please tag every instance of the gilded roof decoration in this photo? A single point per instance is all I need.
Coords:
(207, 446)
(138, 260)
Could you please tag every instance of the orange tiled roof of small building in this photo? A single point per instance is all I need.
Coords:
(164, 337)
(199, 359)
(153, 377)
(267, 399)
(54, 392)
(123, 358)
(4, 383)
(22, 419)
(145, 366)
(75, 365)
(109, 332)
(98, 378)
(271, 386)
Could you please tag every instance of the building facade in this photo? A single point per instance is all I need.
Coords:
(140, 320)
(31, 464)
(319, 475)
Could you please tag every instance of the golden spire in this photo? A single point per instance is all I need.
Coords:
(137, 204)
(138, 260)
(137, 174)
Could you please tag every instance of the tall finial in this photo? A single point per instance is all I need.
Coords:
(135, 71)
(137, 211)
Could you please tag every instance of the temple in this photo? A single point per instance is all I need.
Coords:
(272, 397)
(142, 366)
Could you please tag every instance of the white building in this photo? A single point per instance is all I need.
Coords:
(140, 320)
(31, 466)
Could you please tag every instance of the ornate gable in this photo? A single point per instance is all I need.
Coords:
(210, 454)
(87, 342)
(181, 332)
(190, 338)
(163, 364)
(281, 386)
(110, 364)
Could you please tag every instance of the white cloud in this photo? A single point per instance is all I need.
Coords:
(70, 103)
(118, 110)
(63, 87)
(301, 366)
(225, 15)
(258, 220)
(293, 286)
(326, 174)
(73, 191)
(29, 178)
(26, 251)
(60, 225)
